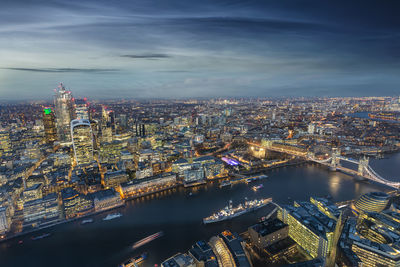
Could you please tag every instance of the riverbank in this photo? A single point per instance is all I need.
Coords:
(179, 215)
(177, 185)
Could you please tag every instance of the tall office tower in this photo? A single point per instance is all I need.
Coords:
(5, 143)
(64, 113)
(94, 124)
(106, 125)
(82, 141)
(49, 124)
(81, 107)
(111, 115)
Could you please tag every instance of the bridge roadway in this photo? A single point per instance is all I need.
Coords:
(366, 172)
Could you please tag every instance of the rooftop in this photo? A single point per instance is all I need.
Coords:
(268, 227)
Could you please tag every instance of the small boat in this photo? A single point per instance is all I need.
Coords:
(87, 221)
(147, 239)
(225, 183)
(135, 260)
(112, 216)
(256, 187)
(40, 236)
(255, 178)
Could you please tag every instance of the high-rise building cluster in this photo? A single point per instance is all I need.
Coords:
(70, 159)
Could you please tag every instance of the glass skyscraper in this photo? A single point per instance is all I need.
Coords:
(64, 113)
(82, 141)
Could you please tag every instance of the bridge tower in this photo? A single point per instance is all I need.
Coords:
(267, 143)
(362, 165)
(335, 158)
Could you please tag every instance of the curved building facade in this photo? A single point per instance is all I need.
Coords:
(82, 141)
(372, 202)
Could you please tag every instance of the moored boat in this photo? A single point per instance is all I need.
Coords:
(134, 260)
(112, 216)
(230, 212)
(224, 183)
(256, 178)
(85, 221)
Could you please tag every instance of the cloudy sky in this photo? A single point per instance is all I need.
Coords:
(191, 48)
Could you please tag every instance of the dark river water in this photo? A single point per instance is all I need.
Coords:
(179, 216)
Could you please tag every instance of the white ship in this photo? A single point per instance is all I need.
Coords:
(230, 212)
(112, 216)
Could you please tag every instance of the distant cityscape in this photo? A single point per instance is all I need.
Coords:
(73, 158)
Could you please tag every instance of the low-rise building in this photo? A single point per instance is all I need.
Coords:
(266, 233)
(32, 193)
(42, 211)
(179, 260)
(106, 199)
(75, 204)
(115, 178)
(143, 186)
(5, 220)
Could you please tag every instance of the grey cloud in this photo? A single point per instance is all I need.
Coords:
(147, 56)
(58, 70)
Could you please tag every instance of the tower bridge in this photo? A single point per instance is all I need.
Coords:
(364, 170)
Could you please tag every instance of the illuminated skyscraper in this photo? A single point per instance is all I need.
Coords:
(107, 121)
(81, 108)
(49, 125)
(64, 113)
(82, 141)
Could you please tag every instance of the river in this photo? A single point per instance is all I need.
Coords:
(179, 216)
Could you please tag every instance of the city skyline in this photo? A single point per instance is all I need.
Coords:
(211, 133)
(329, 166)
(137, 49)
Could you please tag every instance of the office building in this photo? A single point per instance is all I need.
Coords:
(5, 220)
(374, 254)
(82, 141)
(33, 192)
(229, 249)
(41, 211)
(267, 233)
(106, 199)
(140, 129)
(49, 124)
(5, 143)
(309, 228)
(81, 107)
(75, 204)
(115, 178)
(64, 113)
(372, 202)
(203, 255)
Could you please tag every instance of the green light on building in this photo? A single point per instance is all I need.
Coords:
(47, 110)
